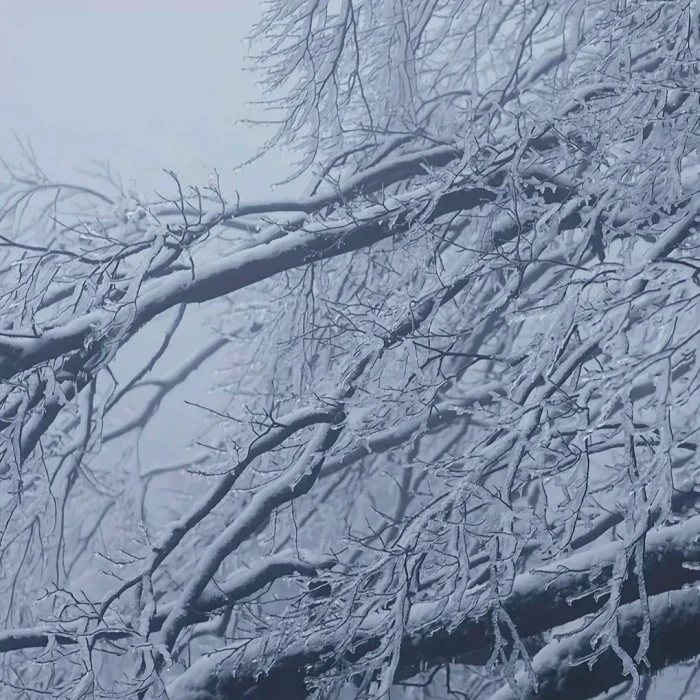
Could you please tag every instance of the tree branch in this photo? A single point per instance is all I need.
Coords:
(540, 600)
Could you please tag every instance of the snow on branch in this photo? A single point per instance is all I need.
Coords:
(442, 631)
(468, 351)
(572, 667)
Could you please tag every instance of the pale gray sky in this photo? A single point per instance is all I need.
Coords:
(145, 85)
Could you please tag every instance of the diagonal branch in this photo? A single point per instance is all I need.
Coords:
(239, 586)
(540, 600)
(562, 668)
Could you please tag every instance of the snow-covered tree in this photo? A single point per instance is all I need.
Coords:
(454, 447)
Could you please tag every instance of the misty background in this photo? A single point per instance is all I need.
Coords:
(142, 87)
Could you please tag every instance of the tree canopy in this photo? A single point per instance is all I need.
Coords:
(458, 451)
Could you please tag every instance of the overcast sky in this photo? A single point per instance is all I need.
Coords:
(145, 85)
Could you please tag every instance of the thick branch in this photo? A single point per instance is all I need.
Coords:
(242, 269)
(562, 669)
(539, 601)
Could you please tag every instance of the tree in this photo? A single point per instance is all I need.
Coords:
(462, 376)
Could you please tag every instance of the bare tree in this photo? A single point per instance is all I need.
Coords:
(457, 455)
